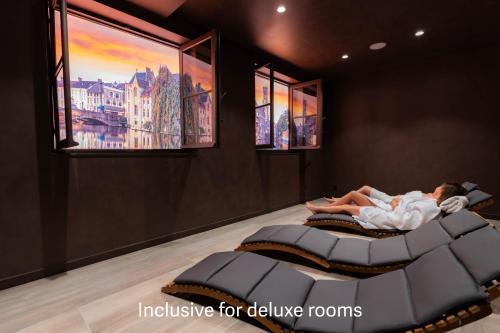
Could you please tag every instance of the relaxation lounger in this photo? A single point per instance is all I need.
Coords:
(477, 200)
(436, 293)
(361, 255)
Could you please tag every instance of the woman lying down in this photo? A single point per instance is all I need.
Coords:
(374, 209)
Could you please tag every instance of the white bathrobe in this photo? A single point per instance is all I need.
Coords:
(413, 210)
(383, 200)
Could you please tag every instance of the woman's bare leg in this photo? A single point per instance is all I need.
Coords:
(351, 209)
(352, 197)
(365, 190)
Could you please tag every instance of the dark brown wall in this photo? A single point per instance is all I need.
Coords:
(59, 212)
(413, 124)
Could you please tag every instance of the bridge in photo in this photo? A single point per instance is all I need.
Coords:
(106, 118)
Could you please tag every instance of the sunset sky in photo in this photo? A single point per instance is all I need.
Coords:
(260, 84)
(199, 71)
(298, 103)
(97, 51)
(280, 100)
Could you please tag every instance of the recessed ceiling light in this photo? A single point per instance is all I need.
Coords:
(419, 33)
(281, 9)
(378, 46)
(345, 56)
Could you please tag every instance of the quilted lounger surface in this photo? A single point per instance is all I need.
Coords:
(425, 294)
(477, 200)
(360, 255)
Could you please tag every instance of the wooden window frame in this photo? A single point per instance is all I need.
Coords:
(58, 65)
(213, 36)
(319, 115)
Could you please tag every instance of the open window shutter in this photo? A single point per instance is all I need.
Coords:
(306, 114)
(264, 109)
(60, 81)
(198, 91)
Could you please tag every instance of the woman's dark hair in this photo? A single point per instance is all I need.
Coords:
(451, 190)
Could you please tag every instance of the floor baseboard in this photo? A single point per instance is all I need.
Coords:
(15, 280)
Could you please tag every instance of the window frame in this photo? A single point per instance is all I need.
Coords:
(60, 146)
(319, 115)
(291, 85)
(57, 66)
(270, 145)
(214, 38)
(53, 72)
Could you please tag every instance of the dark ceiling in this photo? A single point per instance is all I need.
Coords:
(313, 34)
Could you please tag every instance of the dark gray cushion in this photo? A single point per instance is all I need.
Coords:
(329, 294)
(439, 283)
(477, 196)
(426, 238)
(434, 284)
(479, 251)
(283, 286)
(468, 186)
(203, 270)
(386, 304)
(462, 222)
(310, 239)
(351, 251)
(241, 275)
(318, 242)
(389, 250)
(288, 234)
(262, 234)
(326, 216)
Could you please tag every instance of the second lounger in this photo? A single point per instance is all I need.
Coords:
(355, 255)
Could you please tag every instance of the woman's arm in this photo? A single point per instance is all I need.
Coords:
(415, 214)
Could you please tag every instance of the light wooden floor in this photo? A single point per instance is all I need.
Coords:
(104, 297)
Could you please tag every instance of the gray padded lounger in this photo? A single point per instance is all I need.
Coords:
(445, 288)
(360, 255)
(477, 200)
